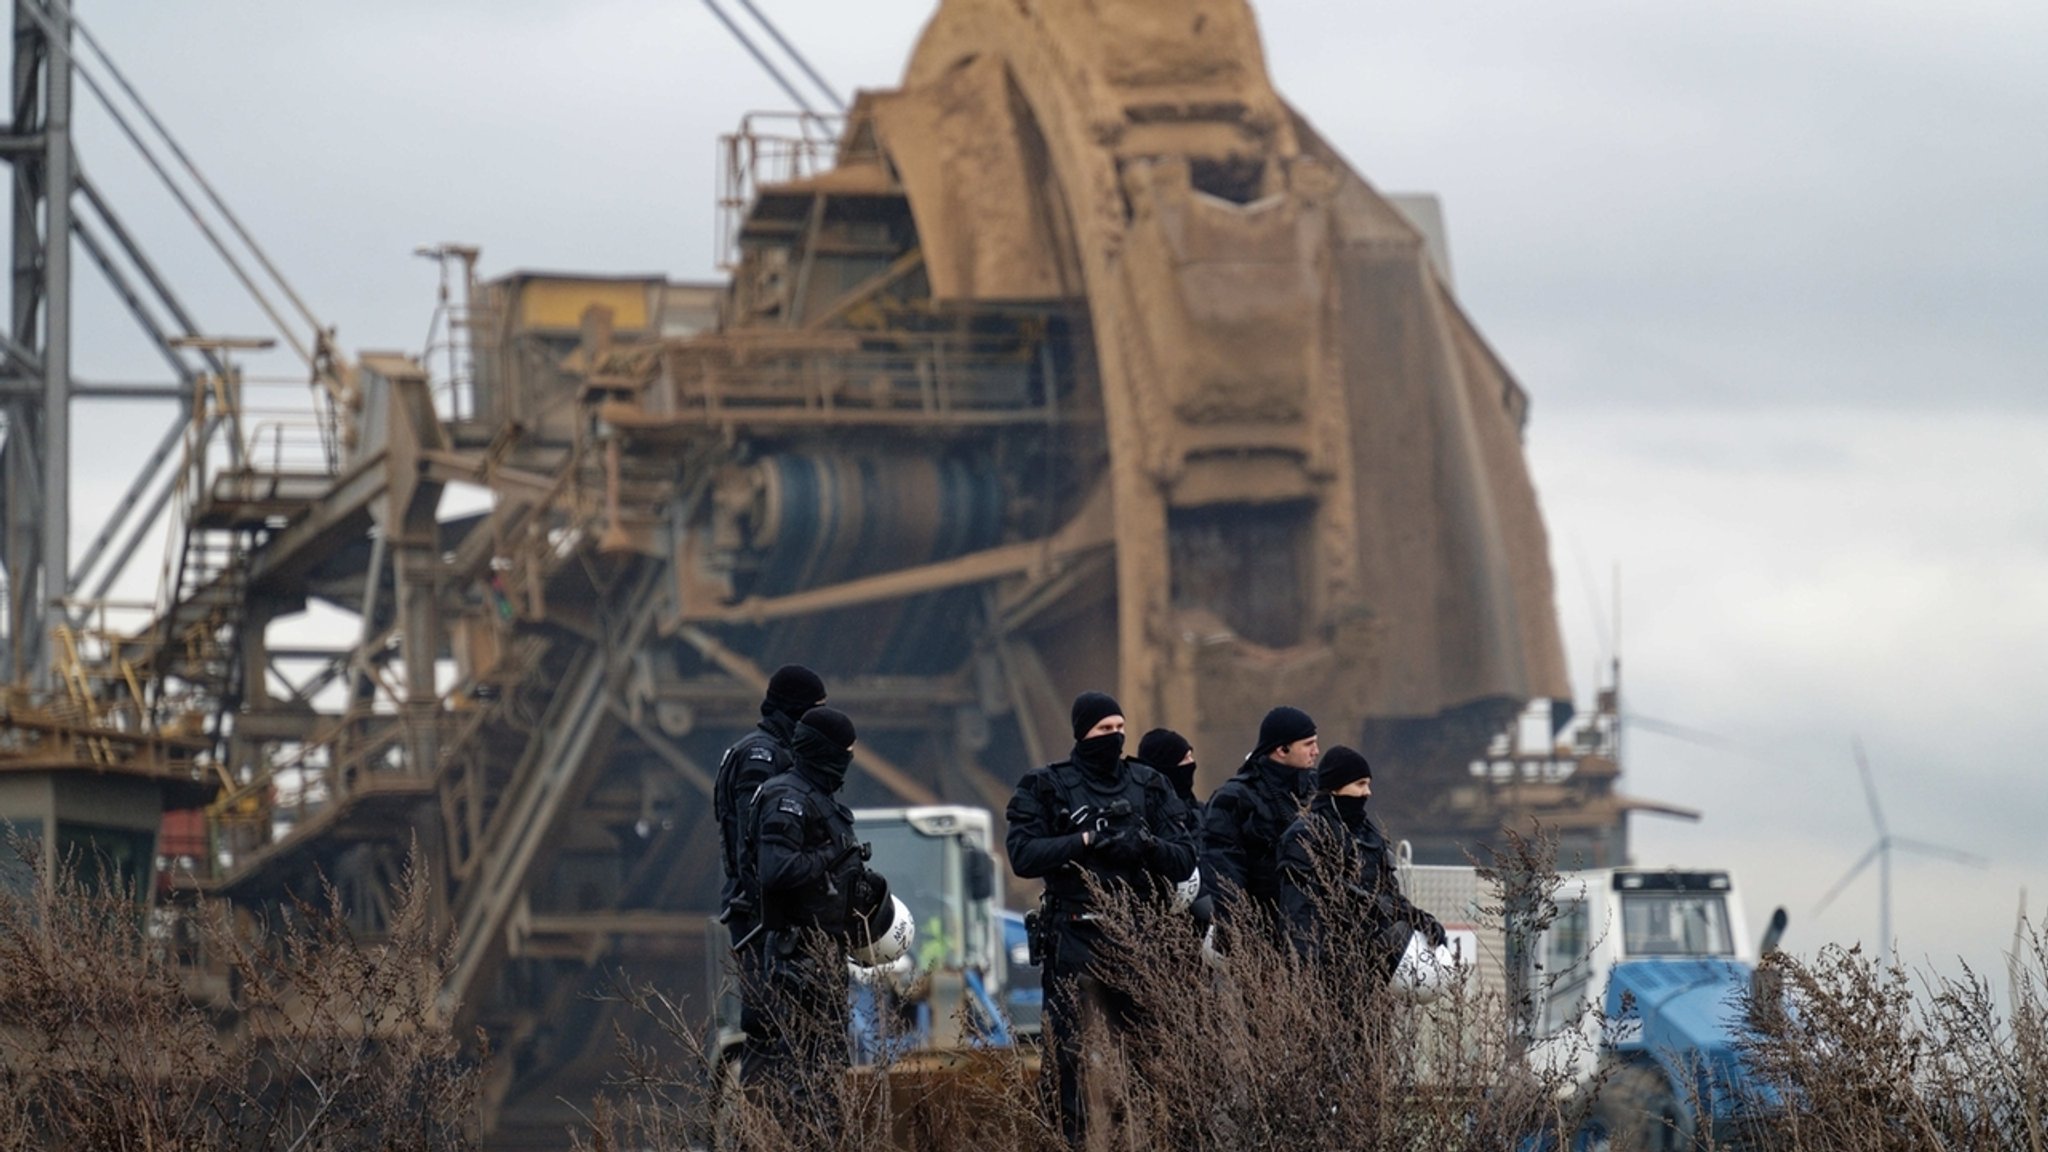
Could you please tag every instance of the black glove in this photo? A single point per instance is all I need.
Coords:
(1431, 928)
(870, 891)
(844, 866)
(1120, 846)
(1158, 853)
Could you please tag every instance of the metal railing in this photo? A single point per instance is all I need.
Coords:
(768, 148)
(923, 375)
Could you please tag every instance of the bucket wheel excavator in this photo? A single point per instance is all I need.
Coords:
(1077, 361)
(1190, 412)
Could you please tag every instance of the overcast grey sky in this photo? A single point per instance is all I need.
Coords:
(1774, 274)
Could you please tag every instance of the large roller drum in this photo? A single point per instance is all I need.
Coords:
(823, 518)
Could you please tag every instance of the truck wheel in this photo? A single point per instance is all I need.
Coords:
(1639, 1112)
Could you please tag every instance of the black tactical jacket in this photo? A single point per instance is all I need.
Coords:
(1046, 818)
(746, 766)
(1365, 884)
(806, 859)
(1242, 825)
(1192, 811)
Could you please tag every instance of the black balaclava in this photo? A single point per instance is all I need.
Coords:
(1283, 725)
(793, 691)
(1163, 750)
(1098, 755)
(823, 743)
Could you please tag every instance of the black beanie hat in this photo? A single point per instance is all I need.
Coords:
(832, 724)
(1341, 766)
(1283, 725)
(1090, 708)
(1163, 749)
(793, 690)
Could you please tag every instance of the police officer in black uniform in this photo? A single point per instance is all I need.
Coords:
(760, 754)
(1335, 861)
(1245, 818)
(1168, 753)
(1093, 815)
(815, 890)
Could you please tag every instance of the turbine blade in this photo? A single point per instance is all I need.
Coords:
(2013, 965)
(1686, 735)
(1945, 853)
(1869, 787)
(1848, 876)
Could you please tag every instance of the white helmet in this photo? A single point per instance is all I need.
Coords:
(884, 946)
(1424, 972)
(1184, 893)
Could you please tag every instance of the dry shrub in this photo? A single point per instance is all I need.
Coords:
(678, 1093)
(1854, 1056)
(314, 1040)
(1265, 1050)
(1268, 1049)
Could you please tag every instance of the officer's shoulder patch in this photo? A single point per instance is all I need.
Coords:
(791, 805)
(757, 752)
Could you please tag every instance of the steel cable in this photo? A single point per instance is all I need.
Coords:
(156, 165)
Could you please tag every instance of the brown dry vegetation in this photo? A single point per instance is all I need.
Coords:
(313, 1040)
(1270, 1052)
(679, 1096)
(1261, 1050)
(1869, 1056)
(104, 1045)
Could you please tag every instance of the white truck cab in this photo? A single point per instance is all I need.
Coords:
(1610, 916)
(938, 862)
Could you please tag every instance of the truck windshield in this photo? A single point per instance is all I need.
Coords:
(919, 875)
(1675, 924)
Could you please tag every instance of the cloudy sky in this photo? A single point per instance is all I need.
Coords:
(1776, 276)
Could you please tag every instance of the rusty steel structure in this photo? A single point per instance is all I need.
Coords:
(1077, 360)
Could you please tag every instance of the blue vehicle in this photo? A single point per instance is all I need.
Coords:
(1666, 956)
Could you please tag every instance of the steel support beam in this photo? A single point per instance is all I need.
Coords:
(129, 297)
(165, 445)
(125, 241)
(32, 388)
(908, 788)
(19, 470)
(140, 525)
(677, 760)
(21, 478)
(546, 783)
(36, 549)
(58, 182)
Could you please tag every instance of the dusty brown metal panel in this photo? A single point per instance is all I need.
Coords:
(973, 182)
(1258, 306)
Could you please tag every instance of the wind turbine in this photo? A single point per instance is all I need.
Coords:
(1882, 853)
(2016, 968)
